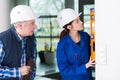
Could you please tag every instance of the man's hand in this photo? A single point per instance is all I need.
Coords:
(24, 70)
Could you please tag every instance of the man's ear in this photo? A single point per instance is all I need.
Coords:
(19, 24)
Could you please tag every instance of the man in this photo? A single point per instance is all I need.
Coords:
(18, 46)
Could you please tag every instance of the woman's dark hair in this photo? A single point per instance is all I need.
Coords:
(65, 31)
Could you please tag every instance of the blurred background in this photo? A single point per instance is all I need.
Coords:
(48, 31)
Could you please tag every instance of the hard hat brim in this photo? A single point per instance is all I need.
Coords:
(80, 13)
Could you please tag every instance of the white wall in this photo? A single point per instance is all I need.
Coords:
(4, 14)
(107, 28)
(6, 6)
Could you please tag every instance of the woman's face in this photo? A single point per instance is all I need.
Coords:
(77, 24)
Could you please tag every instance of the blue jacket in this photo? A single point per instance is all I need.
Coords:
(72, 58)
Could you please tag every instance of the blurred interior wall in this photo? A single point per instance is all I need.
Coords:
(6, 6)
(69, 4)
(4, 14)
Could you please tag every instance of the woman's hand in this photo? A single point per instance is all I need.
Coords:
(91, 63)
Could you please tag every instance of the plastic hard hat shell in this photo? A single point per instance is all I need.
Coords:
(21, 13)
(66, 16)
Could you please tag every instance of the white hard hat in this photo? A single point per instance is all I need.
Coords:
(66, 16)
(21, 13)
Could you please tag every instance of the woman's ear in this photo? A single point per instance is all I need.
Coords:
(69, 27)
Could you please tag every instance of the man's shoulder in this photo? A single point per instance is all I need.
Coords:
(4, 33)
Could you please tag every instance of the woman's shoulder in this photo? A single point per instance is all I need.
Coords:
(63, 40)
(85, 36)
(83, 32)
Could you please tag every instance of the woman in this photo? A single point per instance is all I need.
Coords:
(73, 50)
